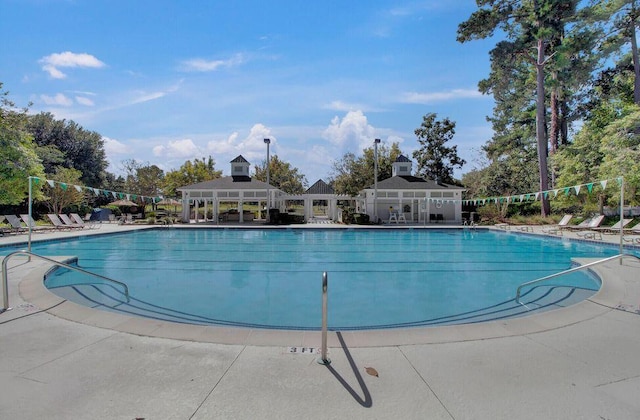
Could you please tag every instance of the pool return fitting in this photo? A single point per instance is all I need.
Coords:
(323, 359)
(5, 287)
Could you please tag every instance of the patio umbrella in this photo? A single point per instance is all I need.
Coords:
(123, 203)
(170, 202)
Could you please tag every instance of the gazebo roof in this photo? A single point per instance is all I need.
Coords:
(320, 188)
(413, 183)
(229, 183)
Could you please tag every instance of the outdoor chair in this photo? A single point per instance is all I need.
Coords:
(557, 229)
(588, 232)
(57, 223)
(28, 220)
(615, 228)
(632, 235)
(70, 223)
(16, 223)
(85, 222)
(593, 223)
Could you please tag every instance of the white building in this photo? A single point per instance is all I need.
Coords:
(413, 199)
(402, 197)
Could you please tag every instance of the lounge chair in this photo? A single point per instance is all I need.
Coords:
(615, 228)
(28, 220)
(632, 235)
(588, 232)
(80, 222)
(57, 223)
(588, 224)
(557, 229)
(70, 223)
(16, 224)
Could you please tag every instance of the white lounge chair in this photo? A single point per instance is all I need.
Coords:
(615, 228)
(557, 229)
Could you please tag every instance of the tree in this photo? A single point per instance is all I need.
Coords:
(351, 174)
(188, 174)
(143, 179)
(436, 160)
(76, 147)
(281, 175)
(19, 158)
(63, 193)
(620, 146)
(621, 19)
(537, 26)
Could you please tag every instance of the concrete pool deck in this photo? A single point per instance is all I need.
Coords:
(579, 362)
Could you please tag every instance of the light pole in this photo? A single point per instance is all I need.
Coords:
(267, 142)
(375, 180)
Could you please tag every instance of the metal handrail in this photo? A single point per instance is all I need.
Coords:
(5, 281)
(324, 360)
(571, 270)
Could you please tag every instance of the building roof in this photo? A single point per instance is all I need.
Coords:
(413, 183)
(239, 159)
(229, 183)
(402, 158)
(320, 188)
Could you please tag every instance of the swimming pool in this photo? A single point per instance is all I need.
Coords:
(271, 278)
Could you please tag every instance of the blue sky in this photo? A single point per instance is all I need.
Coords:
(168, 81)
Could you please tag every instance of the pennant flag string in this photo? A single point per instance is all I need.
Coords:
(97, 191)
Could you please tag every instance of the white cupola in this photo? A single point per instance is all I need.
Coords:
(401, 167)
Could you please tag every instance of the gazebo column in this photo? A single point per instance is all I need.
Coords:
(241, 216)
(185, 208)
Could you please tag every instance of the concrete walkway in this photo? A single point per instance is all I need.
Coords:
(579, 362)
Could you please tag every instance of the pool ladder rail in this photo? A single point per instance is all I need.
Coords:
(5, 287)
(569, 271)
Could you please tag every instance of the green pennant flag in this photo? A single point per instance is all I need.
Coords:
(63, 186)
(566, 191)
(36, 180)
(590, 187)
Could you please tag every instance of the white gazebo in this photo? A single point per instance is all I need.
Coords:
(239, 188)
(416, 200)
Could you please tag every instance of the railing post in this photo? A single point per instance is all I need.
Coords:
(5, 287)
(324, 360)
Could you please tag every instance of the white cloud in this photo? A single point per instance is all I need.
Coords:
(225, 146)
(84, 101)
(202, 65)
(183, 149)
(114, 147)
(432, 97)
(342, 106)
(59, 99)
(52, 63)
(146, 97)
(352, 131)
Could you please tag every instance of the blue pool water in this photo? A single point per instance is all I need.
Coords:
(272, 278)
